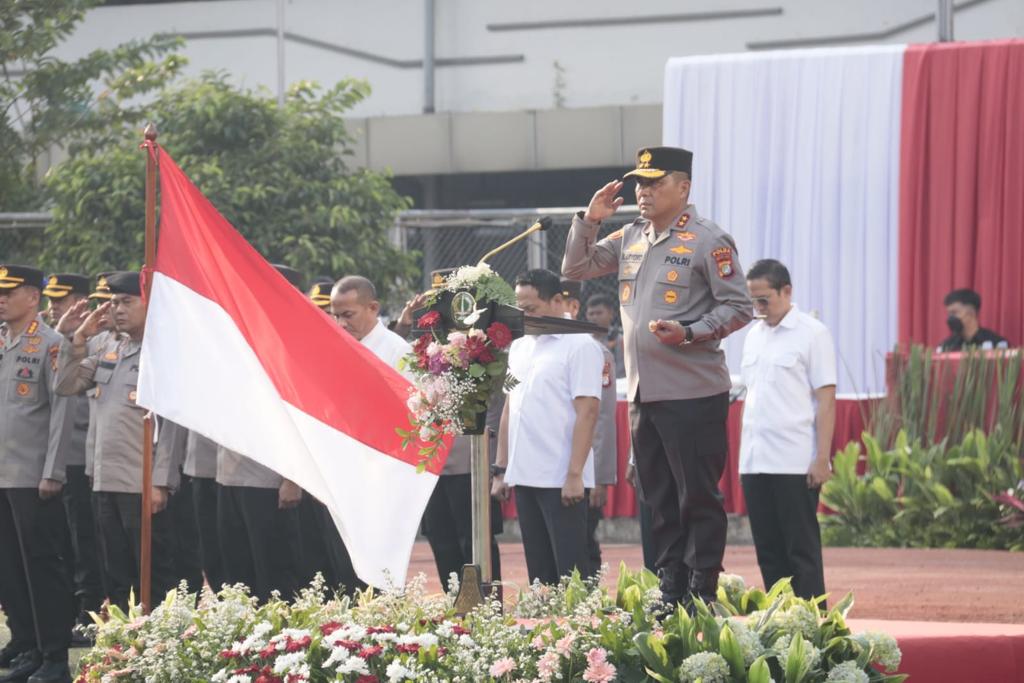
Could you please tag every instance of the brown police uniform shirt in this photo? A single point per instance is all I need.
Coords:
(112, 374)
(35, 423)
(689, 273)
(234, 469)
(92, 347)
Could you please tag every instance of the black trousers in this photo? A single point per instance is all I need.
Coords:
(680, 448)
(204, 510)
(594, 517)
(312, 515)
(35, 586)
(646, 542)
(261, 545)
(119, 518)
(448, 524)
(784, 521)
(554, 535)
(187, 553)
(343, 574)
(87, 568)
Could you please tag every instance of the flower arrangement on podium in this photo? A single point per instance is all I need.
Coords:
(459, 359)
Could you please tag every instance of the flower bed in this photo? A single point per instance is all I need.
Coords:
(572, 632)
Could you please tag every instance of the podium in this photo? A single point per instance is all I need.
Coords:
(461, 311)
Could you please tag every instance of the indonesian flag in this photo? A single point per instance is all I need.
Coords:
(236, 353)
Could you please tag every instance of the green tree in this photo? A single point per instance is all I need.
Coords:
(278, 174)
(48, 102)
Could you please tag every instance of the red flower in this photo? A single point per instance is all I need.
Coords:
(410, 649)
(267, 676)
(251, 669)
(329, 628)
(429, 320)
(460, 631)
(500, 335)
(422, 343)
(298, 645)
(370, 651)
(478, 350)
(368, 679)
(269, 651)
(229, 654)
(380, 629)
(348, 644)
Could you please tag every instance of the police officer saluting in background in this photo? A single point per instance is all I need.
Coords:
(681, 290)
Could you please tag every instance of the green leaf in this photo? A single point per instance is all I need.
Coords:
(476, 370)
(729, 648)
(759, 672)
(796, 665)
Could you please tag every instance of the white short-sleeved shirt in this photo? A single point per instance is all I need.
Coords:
(386, 345)
(782, 368)
(552, 369)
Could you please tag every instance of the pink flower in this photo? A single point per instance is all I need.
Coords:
(502, 667)
(548, 665)
(537, 643)
(564, 645)
(602, 672)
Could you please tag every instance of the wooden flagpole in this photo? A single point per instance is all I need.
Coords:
(146, 533)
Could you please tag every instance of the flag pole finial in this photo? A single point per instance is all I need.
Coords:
(149, 132)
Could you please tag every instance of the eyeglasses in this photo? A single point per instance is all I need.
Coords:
(761, 301)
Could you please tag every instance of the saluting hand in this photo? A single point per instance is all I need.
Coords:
(90, 327)
(604, 202)
(73, 318)
(411, 306)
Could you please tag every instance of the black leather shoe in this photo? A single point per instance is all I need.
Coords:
(23, 666)
(8, 654)
(52, 672)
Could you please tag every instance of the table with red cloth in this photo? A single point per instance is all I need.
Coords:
(851, 414)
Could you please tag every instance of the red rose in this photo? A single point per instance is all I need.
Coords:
(428, 320)
(500, 335)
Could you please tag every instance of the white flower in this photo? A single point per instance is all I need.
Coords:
(812, 655)
(749, 642)
(353, 665)
(884, 650)
(293, 664)
(797, 619)
(847, 672)
(707, 667)
(732, 583)
(396, 672)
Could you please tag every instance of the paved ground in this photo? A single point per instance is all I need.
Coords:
(926, 585)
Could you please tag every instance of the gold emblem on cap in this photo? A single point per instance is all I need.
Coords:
(102, 283)
(3, 271)
(645, 159)
(52, 282)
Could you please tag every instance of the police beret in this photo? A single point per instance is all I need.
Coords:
(59, 285)
(320, 292)
(102, 290)
(291, 275)
(125, 282)
(12, 276)
(571, 289)
(655, 162)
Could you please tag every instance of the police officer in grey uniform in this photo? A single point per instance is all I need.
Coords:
(64, 290)
(201, 468)
(257, 518)
(112, 373)
(681, 290)
(35, 424)
(171, 444)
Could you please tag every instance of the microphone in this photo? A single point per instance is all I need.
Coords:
(542, 224)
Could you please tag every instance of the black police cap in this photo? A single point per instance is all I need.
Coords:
(656, 162)
(320, 291)
(125, 282)
(572, 289)
(59, 285)
(13, 276)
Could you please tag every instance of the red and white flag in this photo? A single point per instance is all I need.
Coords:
(236, 353)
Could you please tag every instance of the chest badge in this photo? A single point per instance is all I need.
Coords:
(626, 291)
(670, 296)
(672, 276)
(22, 389)
(110, 355)
(681, 249)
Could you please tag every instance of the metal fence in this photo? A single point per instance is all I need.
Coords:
(446, 239)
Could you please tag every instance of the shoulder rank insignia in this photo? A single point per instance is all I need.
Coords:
(617, 235)
(54, 352)
(683, 220)
(33, 326)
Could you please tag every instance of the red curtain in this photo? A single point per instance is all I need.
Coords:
(962, 185)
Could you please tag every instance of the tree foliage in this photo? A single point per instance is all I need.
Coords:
(50, 102)
(278, 174)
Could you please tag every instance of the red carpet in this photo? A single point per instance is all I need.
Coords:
(964, 652)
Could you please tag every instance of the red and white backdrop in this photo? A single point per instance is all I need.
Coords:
(882, 176)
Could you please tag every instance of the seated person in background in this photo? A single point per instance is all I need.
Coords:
(962, 306)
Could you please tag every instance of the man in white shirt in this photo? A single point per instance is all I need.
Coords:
(356, 308)
(789, 369)
(546, 433)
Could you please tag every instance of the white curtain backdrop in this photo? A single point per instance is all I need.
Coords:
(796, 153)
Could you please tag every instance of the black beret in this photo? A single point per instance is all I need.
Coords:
(125, 282)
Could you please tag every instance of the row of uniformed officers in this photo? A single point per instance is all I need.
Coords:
(70, 477)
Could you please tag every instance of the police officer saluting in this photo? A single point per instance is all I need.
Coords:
(35, 588)
(681, 290)
(112, 372)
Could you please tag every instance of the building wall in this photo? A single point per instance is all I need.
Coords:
(608, 53)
